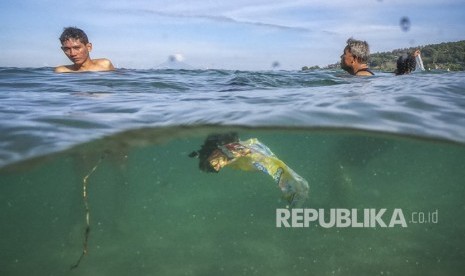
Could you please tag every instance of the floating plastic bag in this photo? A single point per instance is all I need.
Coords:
(419, 63)
(226, 150)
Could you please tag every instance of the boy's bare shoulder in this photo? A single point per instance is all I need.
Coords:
(64, 69)
(99, 64)
(104, 64)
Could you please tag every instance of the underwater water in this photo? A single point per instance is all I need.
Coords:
(394, 143)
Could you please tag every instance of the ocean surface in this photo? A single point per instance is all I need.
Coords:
(380, 143)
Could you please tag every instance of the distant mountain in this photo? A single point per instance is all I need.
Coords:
(174, 62)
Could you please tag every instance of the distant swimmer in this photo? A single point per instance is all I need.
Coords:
(354, 60)
(409, 63)
(76, 46)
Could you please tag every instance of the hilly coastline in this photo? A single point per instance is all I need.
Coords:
(443, 56)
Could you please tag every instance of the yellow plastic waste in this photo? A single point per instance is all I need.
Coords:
(251, 155)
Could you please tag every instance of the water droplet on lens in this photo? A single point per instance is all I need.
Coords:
(405, 24)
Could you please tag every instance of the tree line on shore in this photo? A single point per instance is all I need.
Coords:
(443, 56)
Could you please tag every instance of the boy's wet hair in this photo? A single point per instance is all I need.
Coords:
(73, 33)
(211, 143)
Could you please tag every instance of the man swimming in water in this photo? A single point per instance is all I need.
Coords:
(76, 46)
(354, 60)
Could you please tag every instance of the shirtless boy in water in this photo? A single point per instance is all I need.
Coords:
(76, 46)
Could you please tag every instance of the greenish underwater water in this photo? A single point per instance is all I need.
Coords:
(153, 212)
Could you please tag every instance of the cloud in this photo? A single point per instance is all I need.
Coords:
(216, 18)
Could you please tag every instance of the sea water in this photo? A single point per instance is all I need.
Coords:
(380, 143)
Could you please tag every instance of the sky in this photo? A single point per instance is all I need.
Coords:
(222, 34)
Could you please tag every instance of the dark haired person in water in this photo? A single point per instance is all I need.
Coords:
(354, 60)
(76, 46)
(407, 63)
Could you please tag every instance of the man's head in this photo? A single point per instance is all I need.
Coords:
(356, 52)
(75, 45)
